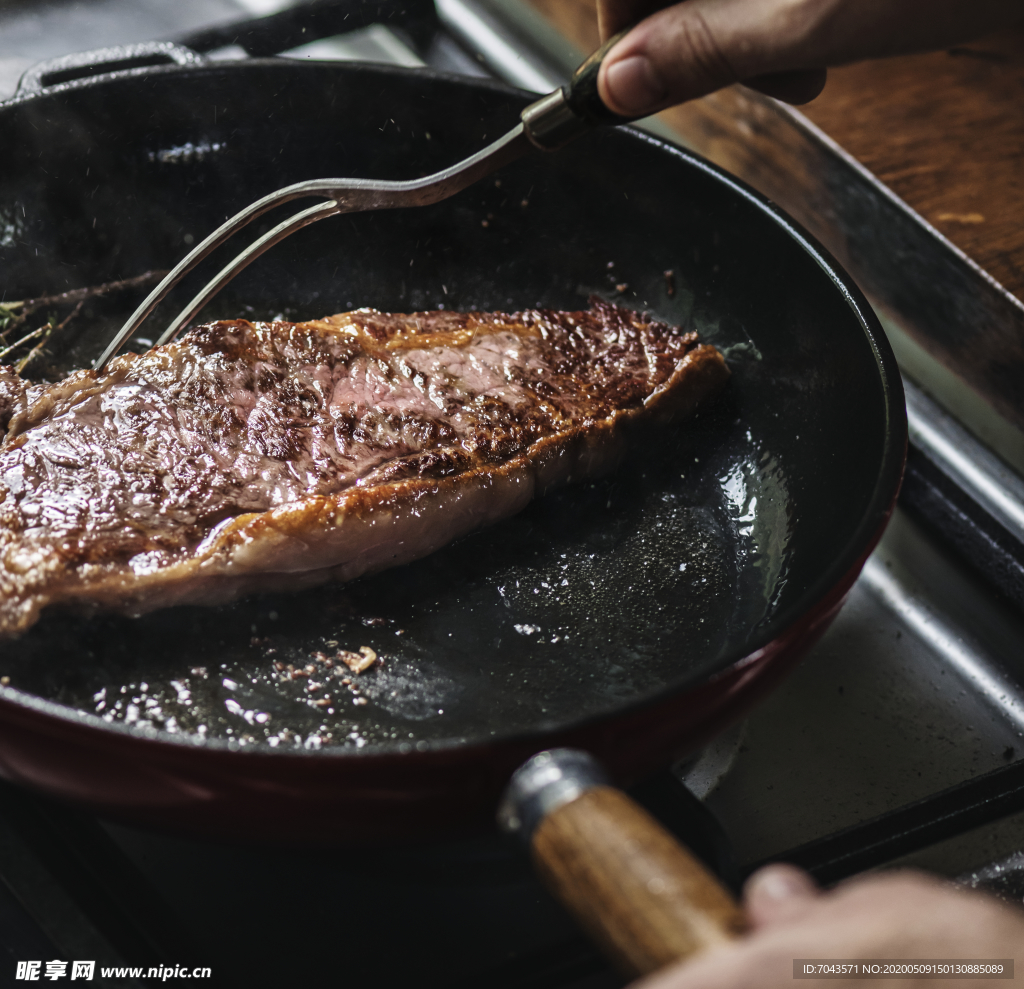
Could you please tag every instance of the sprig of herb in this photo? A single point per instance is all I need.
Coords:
(14, 315)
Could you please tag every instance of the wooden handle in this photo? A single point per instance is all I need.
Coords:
(632, 886)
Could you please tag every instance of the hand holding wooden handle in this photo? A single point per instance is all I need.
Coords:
(634, 888)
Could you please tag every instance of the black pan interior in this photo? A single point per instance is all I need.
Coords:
(708, 541)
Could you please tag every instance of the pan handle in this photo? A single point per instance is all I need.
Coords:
(100, 61)
(640, 894)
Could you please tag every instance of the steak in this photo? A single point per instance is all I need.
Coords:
(265, 456)
(13, 396)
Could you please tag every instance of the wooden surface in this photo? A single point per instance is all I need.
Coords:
(945, 131)
(631, 885)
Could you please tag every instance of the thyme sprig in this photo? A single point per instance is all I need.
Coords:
(14, 315)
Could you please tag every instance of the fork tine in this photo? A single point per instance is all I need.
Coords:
(205, 247)
(284, 229)
(343, 195)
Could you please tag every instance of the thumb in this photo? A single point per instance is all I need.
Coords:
(778, 894)
(698, 46)
(781, 47)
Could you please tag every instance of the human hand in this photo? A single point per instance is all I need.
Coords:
(781, 47)
(900, 915)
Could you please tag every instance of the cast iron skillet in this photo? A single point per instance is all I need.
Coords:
(633, 617)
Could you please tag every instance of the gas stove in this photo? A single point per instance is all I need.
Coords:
(897, 741)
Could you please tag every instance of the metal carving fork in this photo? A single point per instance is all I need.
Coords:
(547, 125)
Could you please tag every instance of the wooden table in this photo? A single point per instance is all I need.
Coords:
(945, 132)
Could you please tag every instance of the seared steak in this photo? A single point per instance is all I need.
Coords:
(13, 391)
(275, 455)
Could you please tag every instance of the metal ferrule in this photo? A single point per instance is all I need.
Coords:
(550, 123)
(543, 784)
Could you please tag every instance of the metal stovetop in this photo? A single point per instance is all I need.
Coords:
(898, 739)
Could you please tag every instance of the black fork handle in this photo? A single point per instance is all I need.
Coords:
(581, 93)
(576, 108)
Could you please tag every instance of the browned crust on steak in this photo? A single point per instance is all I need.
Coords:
(350, 532)
(13, 392)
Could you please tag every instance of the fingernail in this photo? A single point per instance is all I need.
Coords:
(779, 884)
(633, 85)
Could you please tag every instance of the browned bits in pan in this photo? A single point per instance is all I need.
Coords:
(357, 662)
(670, 283)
